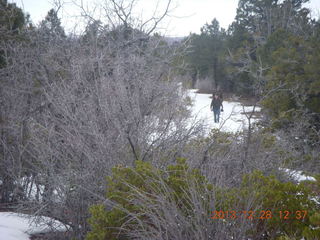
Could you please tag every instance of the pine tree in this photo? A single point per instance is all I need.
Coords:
(51, 27)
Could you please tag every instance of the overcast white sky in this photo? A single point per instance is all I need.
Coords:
(186, 15)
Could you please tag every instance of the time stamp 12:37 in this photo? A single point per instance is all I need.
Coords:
(261, 214)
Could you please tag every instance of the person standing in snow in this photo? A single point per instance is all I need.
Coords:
(216, 103)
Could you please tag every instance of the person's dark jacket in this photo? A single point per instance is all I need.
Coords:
(216, 103)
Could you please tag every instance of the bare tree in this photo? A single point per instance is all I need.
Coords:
(84, 104)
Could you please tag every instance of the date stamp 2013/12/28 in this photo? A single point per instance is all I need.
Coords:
(261, 214)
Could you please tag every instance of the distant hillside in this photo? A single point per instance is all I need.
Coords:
(173, 40)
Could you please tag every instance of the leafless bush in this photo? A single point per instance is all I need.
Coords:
(75, 106)
(220, 155)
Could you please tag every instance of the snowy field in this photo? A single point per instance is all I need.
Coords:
(232, 118)
(15, 226)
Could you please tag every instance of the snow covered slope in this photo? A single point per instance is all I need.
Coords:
(14, 226)
(231, 119)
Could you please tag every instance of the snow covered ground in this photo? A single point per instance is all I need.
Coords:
(14, 226)
(297, 175)
(231, 119)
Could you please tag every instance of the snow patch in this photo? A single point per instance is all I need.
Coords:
(16, 226)
(232, 119)
(297, 175)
